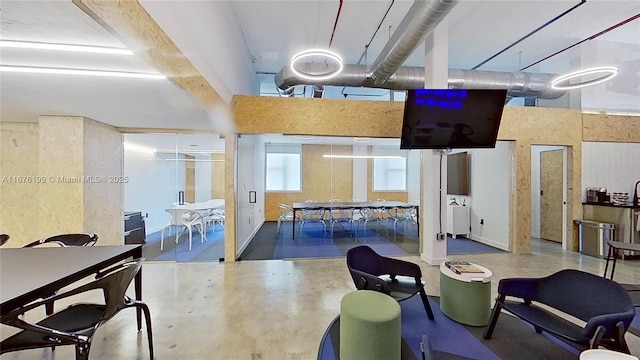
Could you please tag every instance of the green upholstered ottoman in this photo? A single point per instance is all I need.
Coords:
(466, 298)
(369, 326)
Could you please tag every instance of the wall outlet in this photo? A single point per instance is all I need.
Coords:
(440, 236)
(481, 221)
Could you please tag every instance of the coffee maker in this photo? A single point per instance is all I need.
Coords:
(597, 195)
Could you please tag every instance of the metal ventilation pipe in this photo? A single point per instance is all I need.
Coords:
(317, 91)
(386, 72)
(421, 19)
(517, 84)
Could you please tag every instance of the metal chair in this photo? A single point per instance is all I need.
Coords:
(77, 324)
(67, 240)
(286, 213)
(4, 238)
(339, 216)
(311, 216)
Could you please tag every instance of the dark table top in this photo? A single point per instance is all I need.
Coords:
(27, 274)
(351, 205)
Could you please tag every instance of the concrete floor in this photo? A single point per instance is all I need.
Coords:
(276, 309)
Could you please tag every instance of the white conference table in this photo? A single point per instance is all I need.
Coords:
(191, 214)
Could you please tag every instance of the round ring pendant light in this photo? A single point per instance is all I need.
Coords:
(605, 72)
(305, 54)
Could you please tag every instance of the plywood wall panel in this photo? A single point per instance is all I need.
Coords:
(217, 176)
(601, 127)
(104, 200)
(256, 115)
(61, 161)
(19, 199)
(323, 179)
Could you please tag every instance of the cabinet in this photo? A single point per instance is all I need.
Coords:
(134, 228)
(625, 219)
(457, 220)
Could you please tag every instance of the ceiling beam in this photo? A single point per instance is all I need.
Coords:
(129, 22)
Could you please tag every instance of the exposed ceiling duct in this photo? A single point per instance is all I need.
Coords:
(420, 20)
(386, 72)
(517, 84)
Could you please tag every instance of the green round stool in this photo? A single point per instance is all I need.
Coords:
(466, 298)
(369, 326)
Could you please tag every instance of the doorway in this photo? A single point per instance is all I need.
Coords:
(174, 181)
(549, 193)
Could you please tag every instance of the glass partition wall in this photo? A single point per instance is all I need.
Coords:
(174, 196)
(320, 196)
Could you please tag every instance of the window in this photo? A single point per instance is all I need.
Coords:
(389, 174)
(283, 168)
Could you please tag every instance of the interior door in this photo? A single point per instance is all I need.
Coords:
(551, 196)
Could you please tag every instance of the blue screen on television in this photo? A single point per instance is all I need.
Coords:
(451, 118)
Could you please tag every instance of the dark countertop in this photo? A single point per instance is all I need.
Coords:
(609, 204)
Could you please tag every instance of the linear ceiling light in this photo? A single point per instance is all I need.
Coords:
(303, 137)
(362, 156)
(190, 151)
(64, 47)
(83, 72)
(137, 147)
(316, 52)
(562, 81)
(192, 160)
(361, 140)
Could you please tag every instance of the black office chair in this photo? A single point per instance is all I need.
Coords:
(366, 268)
(77, 324)
(4, 238)
(67, 240)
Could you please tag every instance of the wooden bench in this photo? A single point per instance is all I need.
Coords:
(603, 305)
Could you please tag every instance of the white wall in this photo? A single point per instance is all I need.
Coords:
(535, 186)
(615, 166)
(250, 216)
(153, 184)
(413, 176)
(491, 174)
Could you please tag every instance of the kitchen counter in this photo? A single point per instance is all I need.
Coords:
(625, 218)
(609, 204)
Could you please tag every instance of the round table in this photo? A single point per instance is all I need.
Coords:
(466, 298)
(603, 354)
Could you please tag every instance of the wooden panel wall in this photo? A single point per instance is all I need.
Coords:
(322, 179)
(611, 128)
(217, 176)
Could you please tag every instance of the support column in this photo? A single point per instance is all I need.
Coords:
(434, 180)
(230, 171)
(82, 163)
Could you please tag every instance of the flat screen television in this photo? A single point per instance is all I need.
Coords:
(451, 118)
(458, 174)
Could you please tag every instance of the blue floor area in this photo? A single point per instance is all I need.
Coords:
(462, 245)
(210, 250)
(312, 242)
